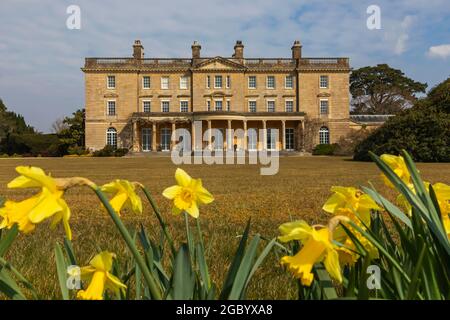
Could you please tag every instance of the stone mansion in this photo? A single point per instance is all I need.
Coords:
(136, 102)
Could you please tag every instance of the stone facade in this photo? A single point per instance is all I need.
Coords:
(137, 102)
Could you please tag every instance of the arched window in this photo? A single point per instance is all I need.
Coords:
(111, 137)
(324, 135)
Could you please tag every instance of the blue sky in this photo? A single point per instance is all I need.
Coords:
(40, 58)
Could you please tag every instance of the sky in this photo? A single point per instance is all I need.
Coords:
(40, 57)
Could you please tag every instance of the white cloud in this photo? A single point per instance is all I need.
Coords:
(441, 51)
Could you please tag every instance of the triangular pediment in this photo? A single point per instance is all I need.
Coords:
(219, 63)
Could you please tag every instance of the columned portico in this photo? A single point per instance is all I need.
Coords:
(151, 131)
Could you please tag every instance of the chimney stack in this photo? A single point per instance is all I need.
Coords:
(196, 47)
(138, 50)
(296, 50)
(238, 50)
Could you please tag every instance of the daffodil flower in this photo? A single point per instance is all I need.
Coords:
(353, 199)
(47, 203)
(442, 192)
(188, 194)
(398, 165)
(317, 247)
(124, 195)
(98, 272)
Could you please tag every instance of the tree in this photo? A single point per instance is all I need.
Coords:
(59, 125)
(73, 135)
(382, 90)
(423, 130)
(10, 123)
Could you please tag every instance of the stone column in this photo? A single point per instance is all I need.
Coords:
(283, 129)
(229, 137)
(245, 136)
(154, 136)
(264, 142)
(135, 147)
(174, 127)
(193, 146)
(209, 135)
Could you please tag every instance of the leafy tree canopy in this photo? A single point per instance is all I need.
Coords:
(73, 132)
(423, 130)
(382, 90)
(10, 123)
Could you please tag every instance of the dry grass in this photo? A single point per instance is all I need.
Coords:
(297, 191)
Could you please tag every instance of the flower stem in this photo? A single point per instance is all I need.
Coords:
(160, 219)
(154, 290)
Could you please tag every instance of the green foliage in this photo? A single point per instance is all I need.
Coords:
(110, 151)
(72, 136)
(33, 144)
(415, 264)
(382, 90)
(423, 130)
(324, 149)
(425, 135)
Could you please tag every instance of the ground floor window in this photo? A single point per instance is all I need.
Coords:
(146, 139)
(218, 136)
(324, 135)
(289, 139)
(165, 139)
(252, 139)
(111, 137)
(272, 139)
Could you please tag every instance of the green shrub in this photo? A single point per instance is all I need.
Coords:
(110, 151)
(77, 150)
(32, 144)
(324, 149)
(424, 134)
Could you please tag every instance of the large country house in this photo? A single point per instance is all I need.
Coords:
(136, 102)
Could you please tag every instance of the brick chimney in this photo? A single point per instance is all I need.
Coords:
(238, 50)
(296, 50)
(196, 47)
(138, 50)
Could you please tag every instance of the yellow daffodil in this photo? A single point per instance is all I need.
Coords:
(398, 165)
(188, 194)
(124, 195)
(442, 192)
(351, 198)
(317, 247)
(47, 203)
(98, 273)
(348, 253)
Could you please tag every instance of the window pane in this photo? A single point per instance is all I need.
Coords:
(323, 106)
(289, 82)
(208, 81)
(252, 106)
(184, 106)
(111, 82)
(147, 106)
(146, 82)
(208, 105)
(164, 82)
(270, 82)
(111, 137)
(111, 108)
(218, 104)
(218, 82)
(228, 105)
(252, 82)
(289, 106)
(324, 135)
(165, 106)
(324, 81)
(271, 106)
(183, 82)
(228, 82)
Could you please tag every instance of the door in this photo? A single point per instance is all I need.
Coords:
(252, 139)
(165, 139)
(146, 139)
(271, 139)
(289, 139)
